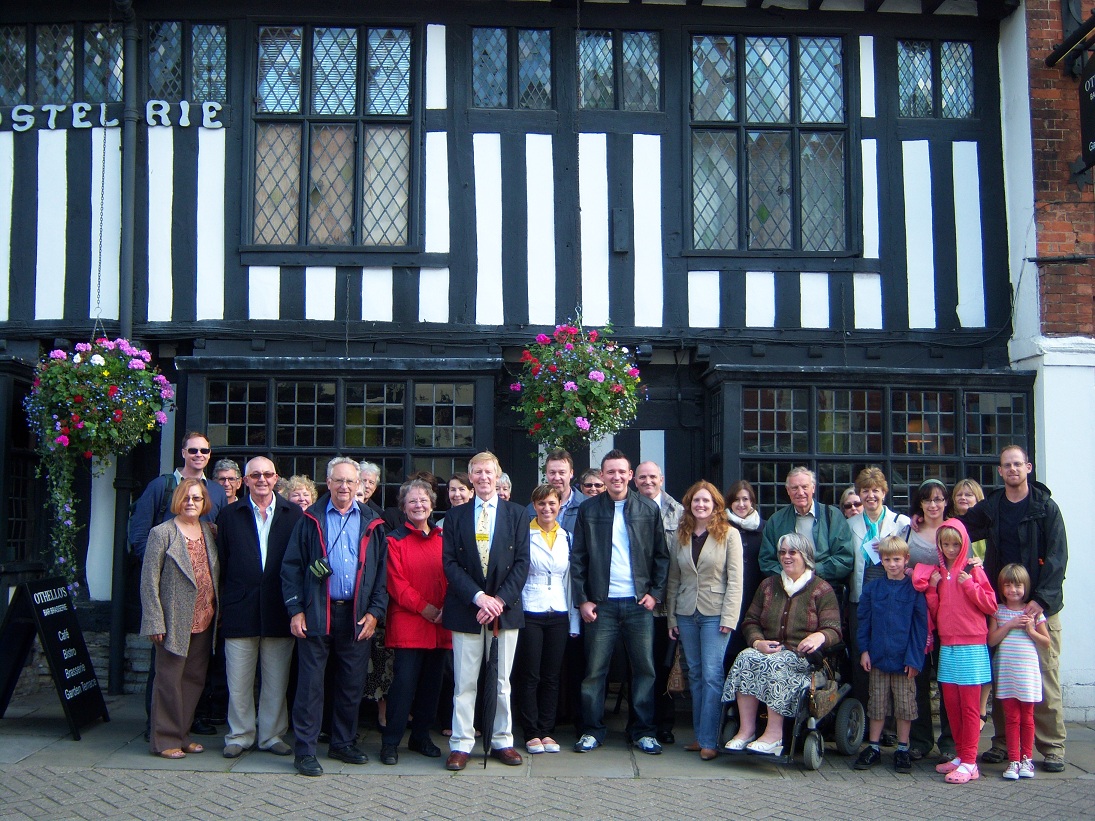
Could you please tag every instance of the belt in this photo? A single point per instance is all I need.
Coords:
(341, 602)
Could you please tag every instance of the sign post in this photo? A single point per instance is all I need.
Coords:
(45, 608)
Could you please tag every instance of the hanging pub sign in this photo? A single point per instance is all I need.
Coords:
(78, 115)
(1087, 113)
(45, 608)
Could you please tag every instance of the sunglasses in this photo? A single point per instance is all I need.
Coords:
(785, 552)
(850, 505)
(267, 475)
(196, 451)
(593, 485)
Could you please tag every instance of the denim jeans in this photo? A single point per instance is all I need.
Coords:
(628, 619)
(704, 647)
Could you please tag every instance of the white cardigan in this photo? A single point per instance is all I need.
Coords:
(548, 586)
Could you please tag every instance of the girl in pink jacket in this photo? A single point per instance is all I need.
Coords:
(960, 598)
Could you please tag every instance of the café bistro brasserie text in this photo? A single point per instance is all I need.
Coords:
(54, 116)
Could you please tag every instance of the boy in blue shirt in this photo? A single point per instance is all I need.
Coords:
(893, 633)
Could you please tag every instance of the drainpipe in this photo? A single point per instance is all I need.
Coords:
(123, 483)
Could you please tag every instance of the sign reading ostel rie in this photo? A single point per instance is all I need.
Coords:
(54, 116)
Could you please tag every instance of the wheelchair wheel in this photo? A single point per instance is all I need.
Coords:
(849, 726)
(813, 750)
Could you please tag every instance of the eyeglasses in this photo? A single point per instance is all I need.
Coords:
(593, 485)
(850, 505)
(196, 451)
(342, 482)
(267, 475)
(785, 552)
(230, 479)
(196, 499)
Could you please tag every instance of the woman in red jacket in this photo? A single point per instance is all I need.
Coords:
(416, 590)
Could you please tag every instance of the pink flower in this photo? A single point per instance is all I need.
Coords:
(542, 339)
(617, 388)
(136, 364)
(593, 336)
(161, 417)
(166, 393)
(145, 355)
(58, 354)
(597, 376)
(107, 344)
(570, 347)
(570, 386)
(515, 387)
(582, 423)
(62, 440)
(633, 372)
(83, 347)
(160, 380)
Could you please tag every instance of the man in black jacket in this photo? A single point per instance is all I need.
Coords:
(334, 582)
(252, 535)
(1024, 525)
(619, 567)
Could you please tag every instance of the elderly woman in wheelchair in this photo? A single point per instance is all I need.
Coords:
(792, 615)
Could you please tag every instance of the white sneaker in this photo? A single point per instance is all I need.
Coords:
(586, 743)
(1012, 772)
(1026, 768)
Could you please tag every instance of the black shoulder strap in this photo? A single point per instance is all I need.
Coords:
(169, 488)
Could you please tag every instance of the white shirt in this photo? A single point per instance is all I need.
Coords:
(263, 527)
(621, 584)
(547, 589)
(492, 515)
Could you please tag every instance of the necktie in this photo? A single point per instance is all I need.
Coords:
(482, 537)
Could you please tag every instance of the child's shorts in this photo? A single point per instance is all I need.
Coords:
(892, 694)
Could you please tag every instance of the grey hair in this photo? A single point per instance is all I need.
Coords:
(227, 464)
(369, 467)
(341, 460)
(416, 484)
(803, 471)
(504, 480)
(800, 544)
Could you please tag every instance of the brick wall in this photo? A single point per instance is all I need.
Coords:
(36, 676)
(1065, 215)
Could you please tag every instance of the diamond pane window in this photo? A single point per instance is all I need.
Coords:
(533, 69)
(821, 80)
(237, 413)
(334, 71)
(209, 62)
(715, 189)
(923, 422)
(102, 63)
(55, 64)
(279, 70)
(489, 68)
(389, 76)
(165, 63)
(768, 79)
(769, 189)
(596, 88)
(821, 168)
(914, 78)
(13, 65)
(641, 86)
(375, 414)
(849, 421)
(714, 78)
(956, 80)
(993, 421)
(386, 185)
(277, 183)
(305, 414)
(331, 192)
(775, 420)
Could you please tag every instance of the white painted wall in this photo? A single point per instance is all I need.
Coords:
(100, 534)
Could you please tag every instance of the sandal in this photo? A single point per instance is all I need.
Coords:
(174, 754)
(195, 747)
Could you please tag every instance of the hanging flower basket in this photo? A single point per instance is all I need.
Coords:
(575, 386)
(103, 400)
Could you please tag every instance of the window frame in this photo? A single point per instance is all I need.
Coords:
(79, 61)
(513, 69)
(302, 252)
(187, 54)
(936, 116)
(851, 129)
(617, 33)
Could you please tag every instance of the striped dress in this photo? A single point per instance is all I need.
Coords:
(1017, 674)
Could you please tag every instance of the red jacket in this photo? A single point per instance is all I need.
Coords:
(415, 578)
(958, 609)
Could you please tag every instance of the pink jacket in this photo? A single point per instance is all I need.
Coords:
(958, 610)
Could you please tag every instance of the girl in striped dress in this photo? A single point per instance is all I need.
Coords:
(1017, 637)
(959, 599)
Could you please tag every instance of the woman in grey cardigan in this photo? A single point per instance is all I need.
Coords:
(179, 602)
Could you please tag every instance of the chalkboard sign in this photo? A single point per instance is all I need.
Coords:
(1087, 113)
(46, 608)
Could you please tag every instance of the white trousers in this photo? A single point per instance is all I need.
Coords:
(469, 652)
(242, 657)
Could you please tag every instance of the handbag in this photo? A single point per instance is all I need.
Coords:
(675, 683)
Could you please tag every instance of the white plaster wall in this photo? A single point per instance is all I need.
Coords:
(100, 533)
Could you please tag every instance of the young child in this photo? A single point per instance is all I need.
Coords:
(959, 598)
(893, 631)
(1016, 638)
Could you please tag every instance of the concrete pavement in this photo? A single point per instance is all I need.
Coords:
(110, 774)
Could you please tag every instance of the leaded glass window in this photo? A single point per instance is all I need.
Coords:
(102, 63)
(55, 64)
(13, 65)
(619, 70)
(769, 175)
(511, 68)
(332, 137)
(187, 61)
(209, 62)
(935, 79)
(956, 80)
(60, 63)
(490, 68)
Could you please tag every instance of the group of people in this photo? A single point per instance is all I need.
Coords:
(295, 579)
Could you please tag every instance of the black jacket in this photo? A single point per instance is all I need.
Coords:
(305, 593)
(251, 600)
(1043, 545)
(591, 554)
(507, 568)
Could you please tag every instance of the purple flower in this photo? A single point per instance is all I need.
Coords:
(160, 380)
(108, 345)
(58, 354)
(161, 417)
(68, 522)
(582, 423)
(542, 339)
(515, 387)
(136, 364)
(597, 376)
(166, 393)
(145, 355)
(83, 347)
(570, 386)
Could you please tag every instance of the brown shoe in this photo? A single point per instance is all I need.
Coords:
(508, 756)
(707, 754)
(694, 747)
(457, 761)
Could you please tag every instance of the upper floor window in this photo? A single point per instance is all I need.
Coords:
(333, 122)
(935, 79)
(187, 61)
(619, 70)
(60, 63)
(511, 68)
(769, 141)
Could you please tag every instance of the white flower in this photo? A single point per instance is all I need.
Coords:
(77, 359)
(97, 359)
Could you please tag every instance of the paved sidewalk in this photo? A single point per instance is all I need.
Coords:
(111, 775)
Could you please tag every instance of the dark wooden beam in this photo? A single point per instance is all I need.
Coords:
(754, 4)
(815, 5)
(693, 2)
(930, 6)
(873, 5)
(996, 9)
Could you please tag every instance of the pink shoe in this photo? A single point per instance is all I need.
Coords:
(966, 772)
(948, 766)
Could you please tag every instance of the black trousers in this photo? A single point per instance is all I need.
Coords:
(922, 736)
(536, 670)
(351, 663)
(416, 687)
